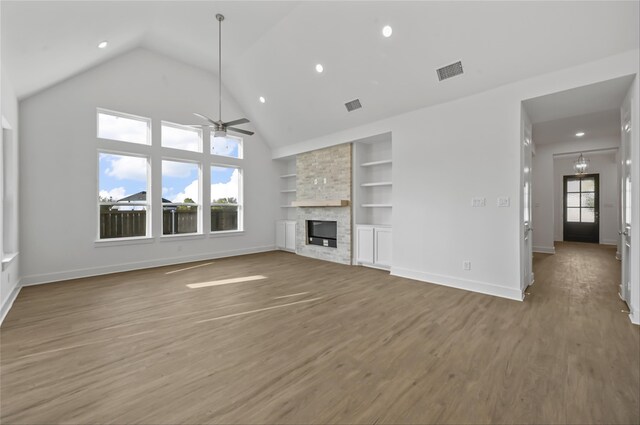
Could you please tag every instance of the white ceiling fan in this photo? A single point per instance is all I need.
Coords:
(219, 127)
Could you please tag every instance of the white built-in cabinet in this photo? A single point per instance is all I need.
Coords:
(286, 225)
(286, 235)
(372, 201)
(373, 246)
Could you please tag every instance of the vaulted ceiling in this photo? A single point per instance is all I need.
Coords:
(270, 49)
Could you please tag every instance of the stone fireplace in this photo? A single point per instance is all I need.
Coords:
(323, 175)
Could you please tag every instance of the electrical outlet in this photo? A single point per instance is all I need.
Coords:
(315, 181)
(466, 265)
(324, 180)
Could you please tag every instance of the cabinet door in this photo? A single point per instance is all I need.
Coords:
(382, 246)
(280, 234)
(290, 238)
(364, 241)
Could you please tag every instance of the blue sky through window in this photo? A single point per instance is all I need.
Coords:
(121, 176)
(180, 181)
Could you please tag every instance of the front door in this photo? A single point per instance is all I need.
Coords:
(581, 208)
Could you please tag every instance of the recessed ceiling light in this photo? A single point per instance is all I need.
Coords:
(103, 44)
(319, 68)
(580, 134)
(262, 99)
(387, 31)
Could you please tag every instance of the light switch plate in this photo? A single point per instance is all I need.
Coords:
(503, 201)
(478, 202)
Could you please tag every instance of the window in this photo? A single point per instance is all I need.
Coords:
(122, 195)
(226, 146)
(226, 198)
(580, 200)
(123, 127)
(181, 137)
(180, 197)
(181, 157)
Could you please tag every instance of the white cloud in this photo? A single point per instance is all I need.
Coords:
(191, 191)
(121, 128)
(115, 193)
(127, 167)
(180, 138)
(228, 189)
(178, 169)
(218, 190)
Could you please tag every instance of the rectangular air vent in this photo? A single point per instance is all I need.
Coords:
(353, 105)
(449, 71)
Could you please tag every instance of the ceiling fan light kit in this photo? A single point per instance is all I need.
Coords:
(220, 127)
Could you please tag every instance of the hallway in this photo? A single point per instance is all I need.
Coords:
(597, 347)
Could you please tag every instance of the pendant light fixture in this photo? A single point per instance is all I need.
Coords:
(580, 166)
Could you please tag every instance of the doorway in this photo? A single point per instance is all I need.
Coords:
(581, 211)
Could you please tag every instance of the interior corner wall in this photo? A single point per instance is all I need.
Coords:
(609, 203)
(445, 155)
(10, 274)
(544, 198)
(59, 169)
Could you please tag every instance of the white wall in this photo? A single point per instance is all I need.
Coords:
(606, 166)
(9, 276)
(545, 182)
(59, 169)
(446, 154)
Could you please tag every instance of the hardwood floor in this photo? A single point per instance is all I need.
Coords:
(316, 342)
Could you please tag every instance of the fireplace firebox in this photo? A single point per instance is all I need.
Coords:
(323, 233)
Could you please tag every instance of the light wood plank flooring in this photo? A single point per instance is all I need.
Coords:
(317, 342)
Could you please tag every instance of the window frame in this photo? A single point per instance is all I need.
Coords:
(198, 130)
(199, 206)
(239, 202)
(147, 204)
(147, 120)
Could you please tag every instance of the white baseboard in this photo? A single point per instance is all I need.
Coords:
(608, 242)
(4, 309)
(454, 282)
(544, 249)
(634, 316)
(125, 267)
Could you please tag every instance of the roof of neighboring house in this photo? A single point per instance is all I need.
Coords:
(140, 196)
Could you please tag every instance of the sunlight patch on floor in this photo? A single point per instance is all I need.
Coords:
(225, 281)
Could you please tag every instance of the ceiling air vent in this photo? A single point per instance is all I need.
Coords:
(449, 71)
(353, 105)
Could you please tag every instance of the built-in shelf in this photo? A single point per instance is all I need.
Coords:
(373, 163)
(322, 203)
(376, 205)
(288, 191)
(287, 176)
(376, 184)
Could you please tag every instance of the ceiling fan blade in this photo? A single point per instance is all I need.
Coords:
(241, 131)
(236, 122)
(204, 117)
(197, 125)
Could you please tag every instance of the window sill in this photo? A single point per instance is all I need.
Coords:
(226, 233)
(103, 243)
(182, 237)
(7, 259)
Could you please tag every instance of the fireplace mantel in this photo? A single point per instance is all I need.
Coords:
(321, 203)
